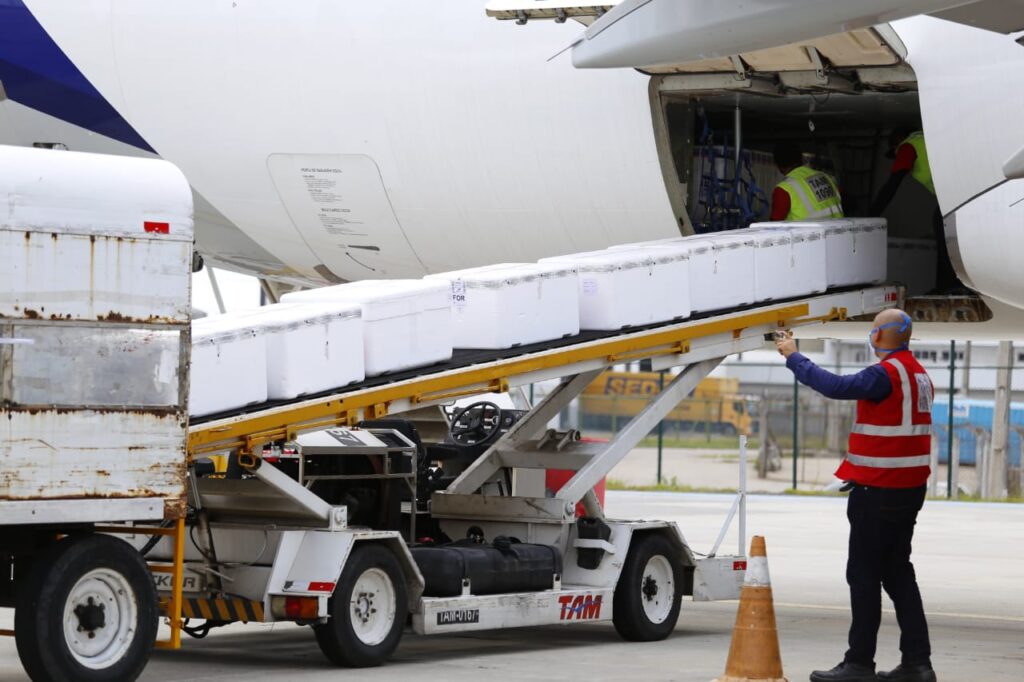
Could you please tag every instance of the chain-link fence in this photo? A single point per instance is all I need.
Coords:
(797, 437)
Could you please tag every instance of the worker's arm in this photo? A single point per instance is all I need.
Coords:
(906, 156)
(780, 205)
(871, 383)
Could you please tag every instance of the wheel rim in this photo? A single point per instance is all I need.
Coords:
(100, 618)
(372, 606)
(657, 589)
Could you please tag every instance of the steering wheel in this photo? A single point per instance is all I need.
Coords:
(475, 424)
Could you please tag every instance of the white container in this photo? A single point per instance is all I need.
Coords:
(407, 323)
(912, 263)
(93, 237)
(721, 271)
(856, 251)
(790, 260)
(310, 348)
(229, 367)
(512, 304)
(630, 287)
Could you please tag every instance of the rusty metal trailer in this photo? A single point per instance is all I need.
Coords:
(95, 309)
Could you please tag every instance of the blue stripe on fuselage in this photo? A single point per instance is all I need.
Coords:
(35, 72)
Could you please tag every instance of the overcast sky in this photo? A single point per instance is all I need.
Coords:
(239, 291)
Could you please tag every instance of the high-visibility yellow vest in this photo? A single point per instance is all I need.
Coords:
(921, 172)
(813, 195)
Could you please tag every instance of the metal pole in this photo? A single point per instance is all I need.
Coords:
(738, 134)
(998, 471)
(661, 424)
(743, 496)
(796, 424)
(216, 289)
(949, 410)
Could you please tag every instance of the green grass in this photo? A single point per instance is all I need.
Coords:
(670, 486)
(716, 442)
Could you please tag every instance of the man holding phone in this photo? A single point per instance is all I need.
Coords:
(886, 471)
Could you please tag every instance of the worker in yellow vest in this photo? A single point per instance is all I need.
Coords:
(910, 153)
(805, 193)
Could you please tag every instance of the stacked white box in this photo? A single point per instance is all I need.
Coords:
(856, 251)
(310, 348)
(721, 271)
(630, 287)
(512, 304)
(802, 269)
(406, 323)
(229, 367)
(912, 263)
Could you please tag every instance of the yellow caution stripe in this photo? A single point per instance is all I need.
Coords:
(225, 610)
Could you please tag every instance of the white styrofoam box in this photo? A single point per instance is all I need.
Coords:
(790, 260)
(407, 323)
(721, 271)
(229, 367)
(310, 348)
(630, 287)
(912, 263)
(94, 237)
(512, 304)
(856, 250)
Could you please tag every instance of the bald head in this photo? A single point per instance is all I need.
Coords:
(893, 329)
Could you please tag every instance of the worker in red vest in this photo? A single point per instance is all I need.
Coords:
(886, 469)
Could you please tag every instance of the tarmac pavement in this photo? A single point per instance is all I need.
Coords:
(966, 555)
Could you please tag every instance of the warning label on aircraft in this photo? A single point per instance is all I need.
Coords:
(339, 204)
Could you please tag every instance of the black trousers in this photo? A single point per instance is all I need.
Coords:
(881, 529)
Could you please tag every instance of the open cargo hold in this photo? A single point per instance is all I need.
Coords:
(630, 287)
(911, 262)
(512, 304)
(94, 335)
(406, 323)
(847, 118)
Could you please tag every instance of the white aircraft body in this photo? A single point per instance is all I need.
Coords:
(333, 140)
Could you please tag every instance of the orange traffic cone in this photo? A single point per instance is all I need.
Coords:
(754, 652)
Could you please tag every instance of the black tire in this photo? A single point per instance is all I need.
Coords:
(729, 430)
(103, 566)
(338, 638)
(634, 589)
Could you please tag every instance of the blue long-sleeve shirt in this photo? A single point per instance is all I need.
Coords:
(871, 383)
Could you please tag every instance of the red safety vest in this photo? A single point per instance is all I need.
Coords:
(891, 441)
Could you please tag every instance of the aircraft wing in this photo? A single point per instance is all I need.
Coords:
(652, 33)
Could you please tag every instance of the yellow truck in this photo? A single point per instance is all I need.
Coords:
(715, 406)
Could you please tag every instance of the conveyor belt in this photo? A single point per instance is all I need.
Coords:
(486, 370)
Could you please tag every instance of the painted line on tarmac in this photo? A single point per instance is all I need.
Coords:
(943, 614)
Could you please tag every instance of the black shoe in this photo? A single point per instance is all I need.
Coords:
(918, 672)
(845, 672)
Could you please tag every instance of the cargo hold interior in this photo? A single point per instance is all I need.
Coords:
(840, 99)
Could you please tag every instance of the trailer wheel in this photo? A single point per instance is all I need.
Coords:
(367, 611)
(87, 612)
(649, 591)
